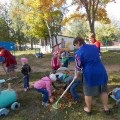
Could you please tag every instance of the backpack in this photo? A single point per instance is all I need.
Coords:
(116, 93)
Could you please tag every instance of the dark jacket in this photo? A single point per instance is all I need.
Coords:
(26, 69)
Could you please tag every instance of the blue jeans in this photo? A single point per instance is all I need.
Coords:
(73, 87)
(26, 81)
(45, 93)
(73, 90)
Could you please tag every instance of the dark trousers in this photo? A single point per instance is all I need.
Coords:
(45, 94)
(26, 81)
(73, 90)
(73, 87)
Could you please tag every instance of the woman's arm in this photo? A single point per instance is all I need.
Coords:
(78, 67)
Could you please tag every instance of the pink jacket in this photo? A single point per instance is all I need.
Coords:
(45, 83)
(55, 62)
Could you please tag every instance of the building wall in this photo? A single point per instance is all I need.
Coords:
(68, 41)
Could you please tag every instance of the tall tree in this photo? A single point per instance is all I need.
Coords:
(4, 30)
(17, 23)
(91, 10)
(4, 23)
(45, 13)
(77, 28)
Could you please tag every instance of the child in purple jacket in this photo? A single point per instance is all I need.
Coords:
(44, 86)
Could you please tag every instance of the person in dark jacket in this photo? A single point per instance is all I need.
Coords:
(25, 70)
(95, 77)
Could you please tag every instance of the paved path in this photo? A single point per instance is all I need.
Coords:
(110, 48)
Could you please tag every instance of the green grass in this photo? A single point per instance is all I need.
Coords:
(111, 57)
(31, 108)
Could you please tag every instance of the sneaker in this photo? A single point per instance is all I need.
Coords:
(25, 89)
(9, 79)
(45, 104)
(77, 100)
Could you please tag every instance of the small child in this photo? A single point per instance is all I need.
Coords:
(55, 61)
(25, 70)
(44, 86)
(65, 58)
(67, 78)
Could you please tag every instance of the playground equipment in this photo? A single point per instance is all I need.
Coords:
(8, 98)
(115, 94)
(9, 46)
(38, 53)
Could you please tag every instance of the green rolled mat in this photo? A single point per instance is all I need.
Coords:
(7, 97)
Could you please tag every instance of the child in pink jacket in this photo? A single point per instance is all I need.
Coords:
(55, 61)
(44, 86)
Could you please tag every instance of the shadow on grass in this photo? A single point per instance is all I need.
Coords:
(31, 108)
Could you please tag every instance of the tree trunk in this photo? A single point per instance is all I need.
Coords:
(31, 42)
(92, 28)
(56, 39)
(49, 31)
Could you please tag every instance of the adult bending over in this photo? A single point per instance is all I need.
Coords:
(94, 74)
(10, 61)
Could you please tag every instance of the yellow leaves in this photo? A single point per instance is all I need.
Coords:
(59, 3)
(101, 15)
(17, 12)
(44, 7)
(73, 17)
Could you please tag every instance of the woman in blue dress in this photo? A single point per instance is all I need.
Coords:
(94, 74)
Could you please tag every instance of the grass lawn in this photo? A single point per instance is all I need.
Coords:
(31, 108)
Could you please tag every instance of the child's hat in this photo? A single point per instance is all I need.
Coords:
(53, 77)
(24, 60)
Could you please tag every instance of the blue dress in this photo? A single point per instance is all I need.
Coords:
(93, 70)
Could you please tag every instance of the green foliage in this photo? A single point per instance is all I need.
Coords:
(57, 17)
(37, 20)
(77, 28)
(109, 32)
(4, 30)
(18, 24)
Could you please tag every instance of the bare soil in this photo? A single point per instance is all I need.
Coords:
(46, 67)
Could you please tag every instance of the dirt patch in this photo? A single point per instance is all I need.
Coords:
(112, 68)
(46, 67)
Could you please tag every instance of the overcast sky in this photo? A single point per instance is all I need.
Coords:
(113, 10)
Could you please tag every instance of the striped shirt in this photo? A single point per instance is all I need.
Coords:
(78, 66)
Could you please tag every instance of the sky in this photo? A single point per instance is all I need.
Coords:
(3, 1)
(112, 9)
